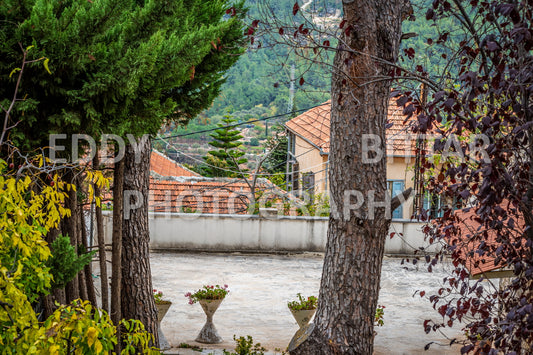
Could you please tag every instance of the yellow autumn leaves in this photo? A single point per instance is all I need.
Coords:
(30, 208)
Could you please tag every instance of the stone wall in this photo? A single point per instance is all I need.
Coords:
(230, 233)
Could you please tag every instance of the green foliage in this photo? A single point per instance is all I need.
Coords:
(277, 144)
(117, 66)
(136, 339)
(65, 263)
(278, 179)
(79, 328)
(260, 77)
(303, 304)
(378, 319)
(246, 346)
(226, 161)
(315, 205)
(189, 346)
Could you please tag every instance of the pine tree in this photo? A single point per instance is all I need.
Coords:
(226, 161)
(277, 145)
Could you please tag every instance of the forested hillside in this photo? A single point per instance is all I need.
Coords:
(258, 86)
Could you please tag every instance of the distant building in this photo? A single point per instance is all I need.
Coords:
(308, 153)
(165, 166)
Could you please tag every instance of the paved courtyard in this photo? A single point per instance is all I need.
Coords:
(261, 285)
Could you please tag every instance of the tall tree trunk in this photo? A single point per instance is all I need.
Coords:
(352, 267)
(104, 279)
(55, 295)
(116, 273)
(70, 228)
(137, 301)
(82, 281)
(88, 269)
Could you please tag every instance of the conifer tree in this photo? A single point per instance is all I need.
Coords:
(227, 159)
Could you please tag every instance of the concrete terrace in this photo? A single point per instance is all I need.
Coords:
(261, 285)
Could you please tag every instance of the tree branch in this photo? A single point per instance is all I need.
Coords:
(400, 198)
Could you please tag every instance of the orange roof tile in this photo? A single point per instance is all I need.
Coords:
(164, 166)
(204, 195)
(314, 127)
(400, 140)
(189, 192)
(473, 233)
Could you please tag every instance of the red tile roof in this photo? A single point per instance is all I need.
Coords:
(164, 166)
(205, 195)
(189, 192)
(473, 234)
(400, 140)
(314, 127)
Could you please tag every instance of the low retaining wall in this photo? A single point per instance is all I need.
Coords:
(231, 233)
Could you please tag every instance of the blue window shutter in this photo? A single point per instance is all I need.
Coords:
(397, 188)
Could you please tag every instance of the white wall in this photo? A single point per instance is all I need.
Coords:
(228, 233)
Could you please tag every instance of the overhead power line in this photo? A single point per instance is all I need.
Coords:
(262, 174)
(238, 124)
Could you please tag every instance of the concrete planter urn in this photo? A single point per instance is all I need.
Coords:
(209, 334)
(303, 316)
(303, 309)
(162, 309)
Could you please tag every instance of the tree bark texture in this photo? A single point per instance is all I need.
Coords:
(137, 301)
(82, 280)
(104, 279)
(116, 268)
(352, 266)
(88, 269)
(70, 228)
(56, 295)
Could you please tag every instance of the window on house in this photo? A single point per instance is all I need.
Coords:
(295, 173)
(308, 183)
(433, 205)
(291, 143)
(396, 187)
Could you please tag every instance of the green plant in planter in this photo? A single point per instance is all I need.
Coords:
(303, 304)
(208, 292)
(158, 297)
(378, 319)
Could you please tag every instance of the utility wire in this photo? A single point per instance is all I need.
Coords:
(233, 171)
(239, 124)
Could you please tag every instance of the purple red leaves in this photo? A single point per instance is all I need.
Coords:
(410, 52)
(231, 11)
(295, 8)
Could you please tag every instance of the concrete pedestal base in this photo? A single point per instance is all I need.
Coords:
(209, 334)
